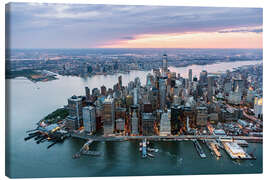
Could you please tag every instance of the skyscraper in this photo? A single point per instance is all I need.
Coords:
(135, 96)
(190, 75)
(120, 82)
(89, 119)
(176, 112)
(164, 65)
(238, 86)
(103, 90)
(210, 89)
(87, 93)
(165, 125)
(258, 107)
(109, 116)
(203, 77)
(134, 123)
(74, 119)
(149, 79)
(148, 122)
(162, 93)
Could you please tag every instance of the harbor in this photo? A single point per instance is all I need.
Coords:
(232, 148)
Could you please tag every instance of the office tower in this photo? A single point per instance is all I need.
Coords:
(120, 82)
(164, 65)
(176, 112)
(162, 93)
(89, 119)
(195, 79)
(234, 98)
(74, 119)
(210, 90)
(99, 116)
(148, 122)
(131, 85)
(95, 92)
(119, 124)
(103, 90)
(156, 73)
(238, 86)
(135, 96)
(120, 112)
(149, 80)
(203, 77)
(87, 93)
(109, 116)
(190, 75)
(134, 123)
(250, 96)
(258, 107)
(153, 98)
(165, 125)
(129, 100)
(227, 87)
(201, 116)
(137, 82)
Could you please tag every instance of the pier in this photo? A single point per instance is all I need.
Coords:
(85, 150)
(236, 152)
(213, 147)
(199, 149)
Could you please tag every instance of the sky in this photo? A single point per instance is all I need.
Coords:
(35, 25)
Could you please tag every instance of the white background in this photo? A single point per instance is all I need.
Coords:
(214, 3)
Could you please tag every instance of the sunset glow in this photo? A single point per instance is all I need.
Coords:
(192, 40)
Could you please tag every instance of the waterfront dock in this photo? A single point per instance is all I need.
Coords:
(242, 143)
(165, 138)
(236, 152)
(213, 147)
(85, 150)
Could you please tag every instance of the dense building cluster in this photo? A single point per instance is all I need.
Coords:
(90, 62)
(223, 104)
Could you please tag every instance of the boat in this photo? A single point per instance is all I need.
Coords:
(150, 155)
(144, 149)
(152, 149)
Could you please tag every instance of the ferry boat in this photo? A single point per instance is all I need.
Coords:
(144, 148)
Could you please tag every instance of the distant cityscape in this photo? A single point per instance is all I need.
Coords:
(35, 63)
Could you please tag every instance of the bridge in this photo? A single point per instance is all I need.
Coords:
(164, 138)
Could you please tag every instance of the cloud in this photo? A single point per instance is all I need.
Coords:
(128, 38)
(260, 30)
(92, 25)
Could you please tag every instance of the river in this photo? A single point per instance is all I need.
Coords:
(29, 102)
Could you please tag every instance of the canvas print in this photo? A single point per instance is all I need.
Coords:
(123, 90)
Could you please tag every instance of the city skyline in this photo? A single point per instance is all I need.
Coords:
(36, 25)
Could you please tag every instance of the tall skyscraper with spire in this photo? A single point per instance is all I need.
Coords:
(164, 65)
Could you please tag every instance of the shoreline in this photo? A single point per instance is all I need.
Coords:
(127, 72)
